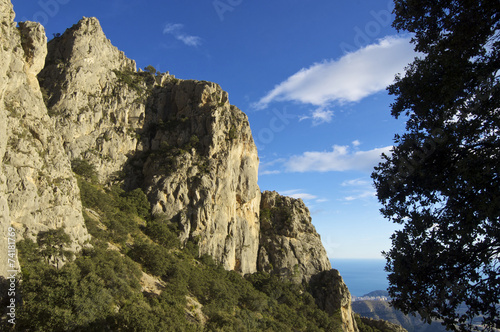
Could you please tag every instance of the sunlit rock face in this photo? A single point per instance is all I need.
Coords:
(38, 190)
(202, 171)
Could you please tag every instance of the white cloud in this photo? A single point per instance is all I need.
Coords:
(172, 28)
(339, 159)
(265, 168)
(359, 189)
(319, 116)
(304, 196)
(364, 194)
(348, 79)
(297, 193)
(355, 182)
(175, 29)
(269, 172)
(356, 143)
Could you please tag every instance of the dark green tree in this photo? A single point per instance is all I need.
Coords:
(85, 169)
(441, 183)
(150, 69)
(53, 245)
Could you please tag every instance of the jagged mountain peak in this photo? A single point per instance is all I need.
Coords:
(84, 46)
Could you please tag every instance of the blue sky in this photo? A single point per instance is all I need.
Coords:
(311, 76)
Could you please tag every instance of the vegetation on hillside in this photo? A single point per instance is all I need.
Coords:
(101, 288)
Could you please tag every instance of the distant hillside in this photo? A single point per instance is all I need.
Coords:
(382, 310)
(377, 293)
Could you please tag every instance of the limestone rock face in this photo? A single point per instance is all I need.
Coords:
(201, 169)
(92, 97)
(180, 140)
(34, 43)
(37, 188)
(289, 244)
(332, 295)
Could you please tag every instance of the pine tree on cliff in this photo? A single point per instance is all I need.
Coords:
(441, 182)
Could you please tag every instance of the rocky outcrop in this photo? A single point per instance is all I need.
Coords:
(382, 325)
(200, 170)
(93, 96)
(37, 188)
(331, 295)
(289, 244)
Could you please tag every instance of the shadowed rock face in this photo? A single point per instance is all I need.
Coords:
(289, 244)
(332, 295)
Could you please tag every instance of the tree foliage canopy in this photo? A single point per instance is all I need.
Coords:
(441, 182)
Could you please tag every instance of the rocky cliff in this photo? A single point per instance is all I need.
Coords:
(200, 169)
(289, 244)
(382, 325)
(38, 191)
(382, 311)
(181, 141)
(94, 110)
(332, 295)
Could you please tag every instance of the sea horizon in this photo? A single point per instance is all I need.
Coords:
(362, 275)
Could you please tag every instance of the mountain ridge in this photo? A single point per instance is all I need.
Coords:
(79, 101)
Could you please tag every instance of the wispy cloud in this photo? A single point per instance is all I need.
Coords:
(358, 189)
(364, 194)
(299, 193)
(341, 158)
(351, 78)
(355, 182)
(269, 172)
(265, 168)
(319, 116)
(176, 30)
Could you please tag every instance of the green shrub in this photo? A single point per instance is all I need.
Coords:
(163, 232)
(233, 133)
(138, 202)
(83, 168)
(119, 210)
(153, 257)
(150, 69)
(52, 244)
(80, 296)
(131, 79)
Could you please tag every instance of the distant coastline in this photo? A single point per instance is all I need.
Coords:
(362, 276)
